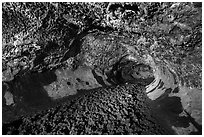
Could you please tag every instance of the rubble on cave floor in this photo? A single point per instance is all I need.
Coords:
(99, 112)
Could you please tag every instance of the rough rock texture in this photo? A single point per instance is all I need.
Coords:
(90, 64)
(170, 32)
(117, 110)
(180, 106)
(37, 91)
(157, 45)
(62, 83)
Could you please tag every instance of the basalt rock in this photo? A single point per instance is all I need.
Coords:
(116, 110)
(78, 52)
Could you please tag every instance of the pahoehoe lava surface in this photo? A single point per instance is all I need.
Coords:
(116, 110)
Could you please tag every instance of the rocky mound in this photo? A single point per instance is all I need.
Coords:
(116, 110)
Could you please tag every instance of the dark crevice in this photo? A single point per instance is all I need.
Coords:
(161, 84)
(98, 78)
(176, 90)
(155, 87)
(78, 79)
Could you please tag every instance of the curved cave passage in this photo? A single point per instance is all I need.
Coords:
(159, 84)
(180, 106)
(167, 95)
(33, 92)
(131, 72)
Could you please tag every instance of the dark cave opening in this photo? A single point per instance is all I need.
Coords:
(131, 72)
